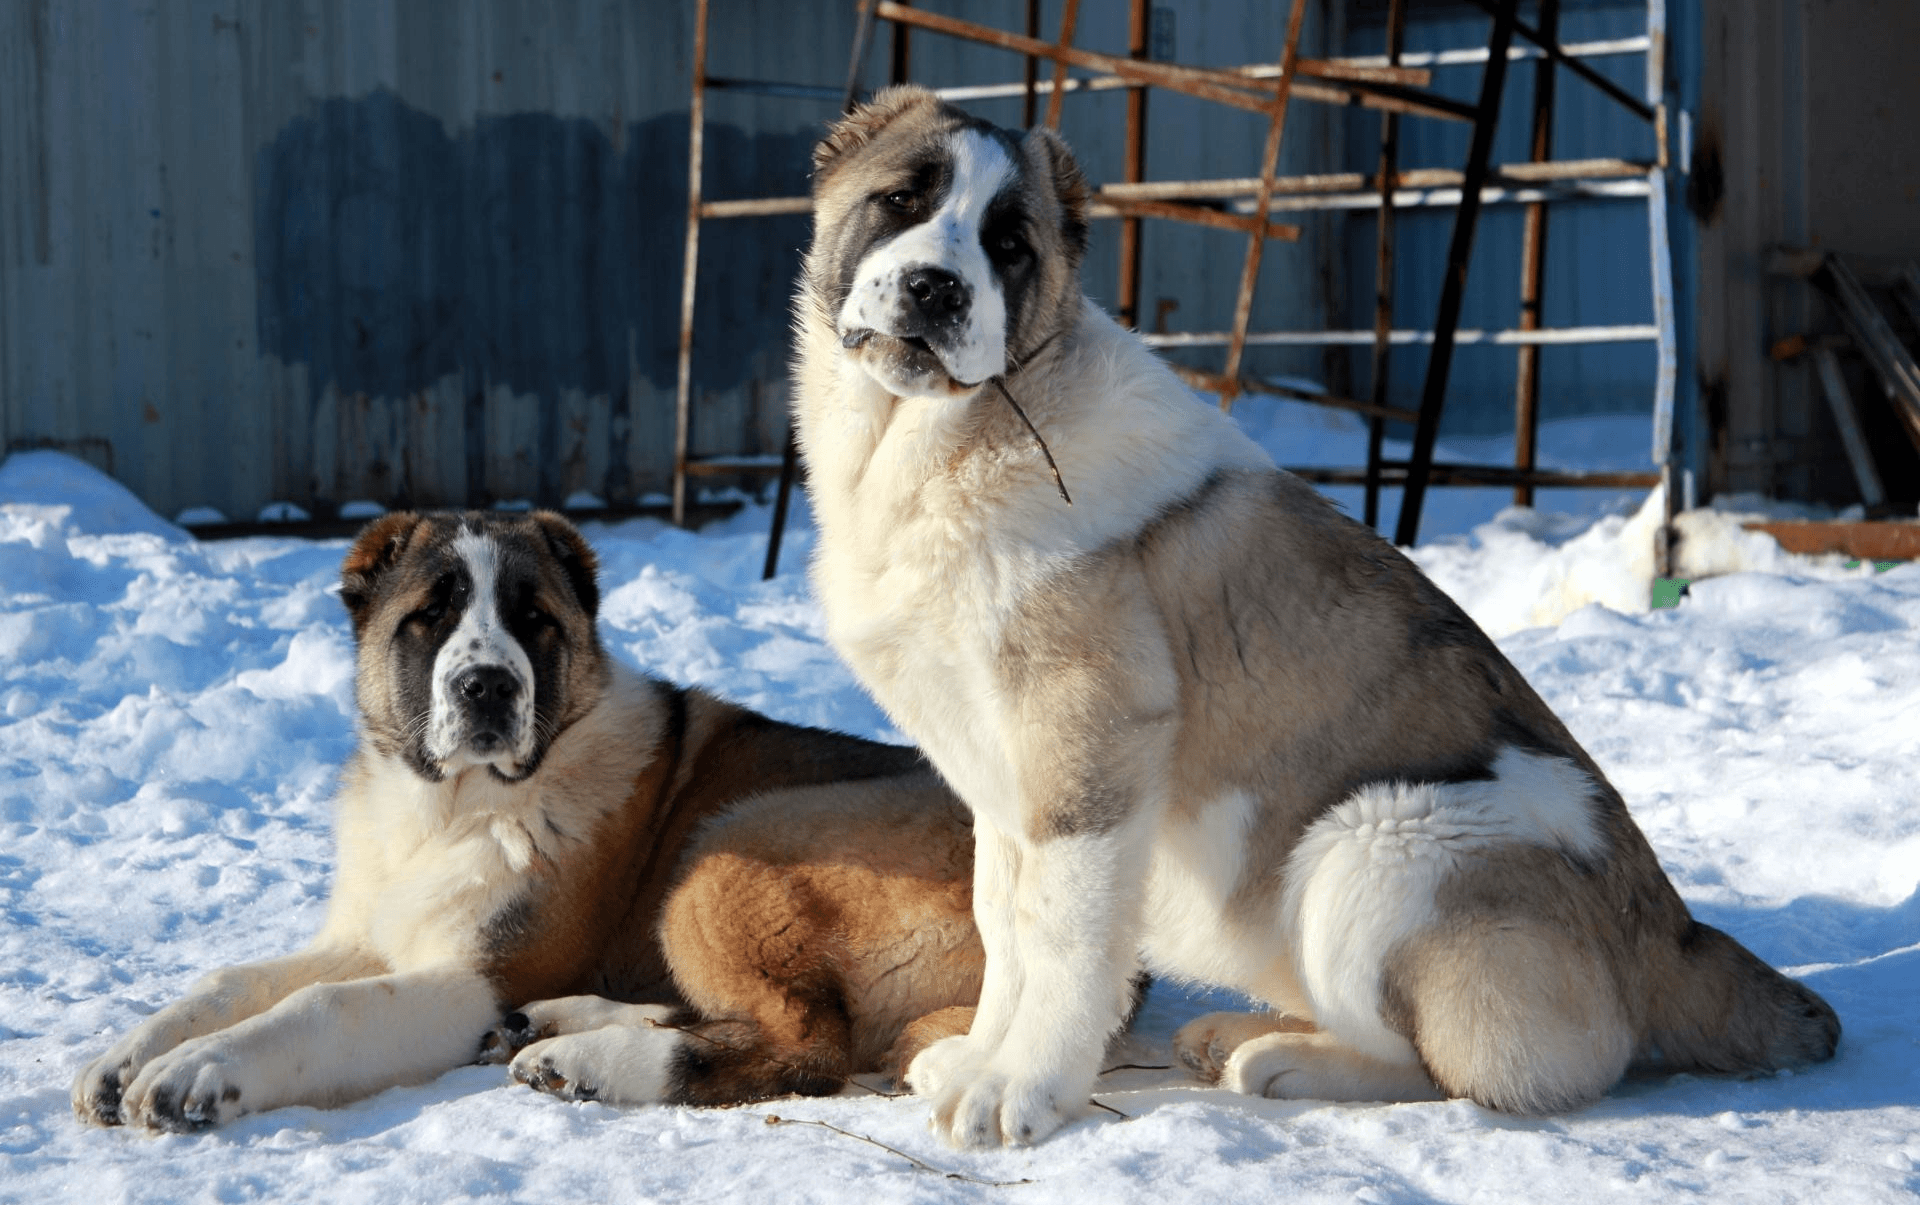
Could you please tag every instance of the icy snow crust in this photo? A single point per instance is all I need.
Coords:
(172, 714)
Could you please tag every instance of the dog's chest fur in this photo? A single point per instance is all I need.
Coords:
(940, 526)
(425, 867)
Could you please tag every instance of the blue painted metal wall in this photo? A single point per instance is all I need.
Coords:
(427, 251)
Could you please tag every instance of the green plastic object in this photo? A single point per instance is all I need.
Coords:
(1668, 591)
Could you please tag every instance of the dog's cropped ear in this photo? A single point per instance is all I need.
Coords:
(576, 558)
(377, 549)
(858, 128)
(1049, 152)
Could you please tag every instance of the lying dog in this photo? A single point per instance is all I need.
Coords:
(1201, 718)
(757, 908)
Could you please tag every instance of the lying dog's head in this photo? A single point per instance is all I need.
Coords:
(477, 643)
(944, 249)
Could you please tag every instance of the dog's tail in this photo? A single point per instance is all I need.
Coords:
(1727, 1011)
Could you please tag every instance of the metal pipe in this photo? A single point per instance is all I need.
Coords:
(790, 449)
(1031, 75)
(1453, 287)
(689, 265)
(1425, 177)
(1395, 473)
(1133, 167)
(1257, 241)
(1635, 333)
(1224, 87)
(1383, 270)
(1198, 215)
(1533, 253)
(1552, 50)
(1069, 17)
(1478, 54)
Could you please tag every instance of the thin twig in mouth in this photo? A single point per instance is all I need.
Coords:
(1035, 431)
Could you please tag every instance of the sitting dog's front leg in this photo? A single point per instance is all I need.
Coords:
(1061, 953)
(323, 1045)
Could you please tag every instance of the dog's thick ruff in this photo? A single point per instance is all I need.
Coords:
(705, 905)
(1202, 719)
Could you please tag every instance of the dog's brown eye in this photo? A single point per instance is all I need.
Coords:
(1007, 248)
(901, 201)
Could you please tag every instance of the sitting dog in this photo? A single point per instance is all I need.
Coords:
(1202, 719)
(708, 905)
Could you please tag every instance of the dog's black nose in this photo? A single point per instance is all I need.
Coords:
(940, 296)
(487, 684)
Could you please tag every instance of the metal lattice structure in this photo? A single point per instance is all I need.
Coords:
(1396, 85)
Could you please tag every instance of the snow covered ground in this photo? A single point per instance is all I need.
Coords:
(172, 713)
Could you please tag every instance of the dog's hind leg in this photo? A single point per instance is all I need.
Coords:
(587, 1048)
(1514, 1014)
(1205, 1043)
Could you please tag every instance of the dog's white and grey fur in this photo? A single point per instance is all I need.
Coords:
(1202, 720)
(704, 905)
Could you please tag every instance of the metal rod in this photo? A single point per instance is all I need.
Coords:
(1198, 215)
(1395, 473)
(1453, 287)
(1133, 168)
(1224, 87)
(1383, 270)
(790, 450)
(1834, 385)
(1640, 333)
(1426, 177)
(782, 498)
(1257, 240)
(900, 63)
(1120, 201)
(1533, 255)
(1031, 74)
(1553, 51)
(1899, 373)
(1069, 17)
(689, 266)
(1478, 54)
(1213, 382)
(1252, 76)
(779, 88)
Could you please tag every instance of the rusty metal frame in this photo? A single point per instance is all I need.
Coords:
(1533, 256)
(1383, 247)
(1393, 85)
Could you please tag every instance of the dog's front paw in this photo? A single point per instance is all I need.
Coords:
(618, 1065)
(998, 1108)
(98, 1089)
(942, 1063)
(551, 1068)
(192, 1087)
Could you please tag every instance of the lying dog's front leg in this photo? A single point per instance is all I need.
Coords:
(216, 1001)
(324, 1044)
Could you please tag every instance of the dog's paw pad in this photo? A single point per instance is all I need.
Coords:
(97, 1093)
(512, 1034)
(542, 1075)
(188, 1094)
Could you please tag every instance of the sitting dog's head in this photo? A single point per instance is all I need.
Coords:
(945, 249)
(477, 643)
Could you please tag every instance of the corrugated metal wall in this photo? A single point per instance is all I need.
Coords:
(427, 252)
(413, 251)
